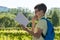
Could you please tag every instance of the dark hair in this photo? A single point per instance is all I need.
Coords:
(41, 6)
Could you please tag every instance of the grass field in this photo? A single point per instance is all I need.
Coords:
(13, 34)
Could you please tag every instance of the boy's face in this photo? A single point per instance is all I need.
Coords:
(38, 13)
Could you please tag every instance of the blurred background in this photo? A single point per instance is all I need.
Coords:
(11, 30)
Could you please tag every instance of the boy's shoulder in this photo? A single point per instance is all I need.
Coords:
(42, 20)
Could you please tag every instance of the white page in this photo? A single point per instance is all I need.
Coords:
(20, 18)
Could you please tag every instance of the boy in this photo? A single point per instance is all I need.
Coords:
(41, 26)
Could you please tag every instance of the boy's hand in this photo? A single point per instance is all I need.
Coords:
(23, 27)
(34, 18)
(33, 22)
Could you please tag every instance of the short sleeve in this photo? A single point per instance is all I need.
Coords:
(42, 24)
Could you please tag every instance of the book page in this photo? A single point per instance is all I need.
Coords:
(21, 19)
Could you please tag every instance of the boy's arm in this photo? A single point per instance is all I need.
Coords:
(37, 34)
(39, 31)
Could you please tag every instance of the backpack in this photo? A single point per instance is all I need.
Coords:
(50, 31)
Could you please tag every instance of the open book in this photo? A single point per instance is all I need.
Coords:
(21, 19)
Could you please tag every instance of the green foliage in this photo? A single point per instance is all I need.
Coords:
(7, 20)
(13, 34)
(54, 16)
(55, 19)
(25, 11)
(57, 33)
(10, 35)
(13, 11)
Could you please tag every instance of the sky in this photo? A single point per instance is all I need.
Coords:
(29, 3)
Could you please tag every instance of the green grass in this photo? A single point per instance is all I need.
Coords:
(7, 34)
(14, 35)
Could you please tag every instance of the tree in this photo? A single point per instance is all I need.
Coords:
(7, 21)
(55, 19)
(54, 16)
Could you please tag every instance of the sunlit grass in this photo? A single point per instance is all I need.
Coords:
(7, 34)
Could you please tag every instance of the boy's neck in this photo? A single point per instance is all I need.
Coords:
(40, 17)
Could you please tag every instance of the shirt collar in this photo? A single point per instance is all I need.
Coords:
(42, 17)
